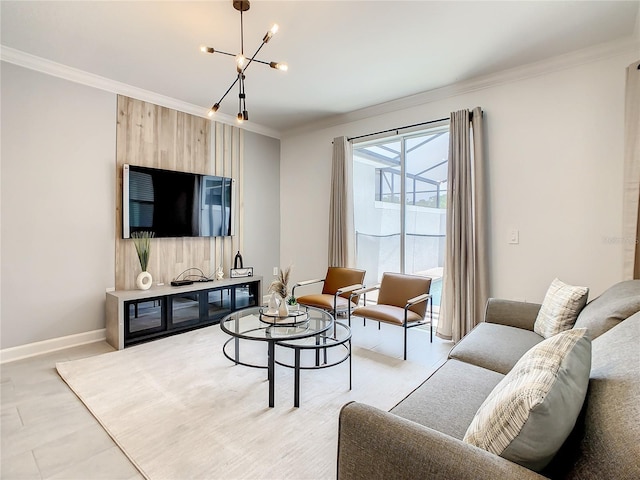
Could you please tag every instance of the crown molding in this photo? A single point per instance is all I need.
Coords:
(39, 64)
(543, 67)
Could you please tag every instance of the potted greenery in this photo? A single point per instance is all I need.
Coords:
(142, 242)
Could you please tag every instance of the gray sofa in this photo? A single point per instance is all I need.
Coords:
(421, 437)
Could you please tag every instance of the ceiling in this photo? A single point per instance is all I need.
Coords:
(342, 55)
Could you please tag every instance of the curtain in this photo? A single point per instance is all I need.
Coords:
(465, 282)
(341, 225)
(631, 187)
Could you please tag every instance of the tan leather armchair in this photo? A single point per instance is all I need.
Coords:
(402, 301)
(336, 291)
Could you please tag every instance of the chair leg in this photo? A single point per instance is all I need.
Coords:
(378, 325)
(431, 320)
(405, 340)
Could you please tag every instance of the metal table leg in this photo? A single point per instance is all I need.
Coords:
(271, 357)
(296, 378)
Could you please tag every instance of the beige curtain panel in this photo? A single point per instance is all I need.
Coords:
(465, 282)
(341, 224)
(631, 187)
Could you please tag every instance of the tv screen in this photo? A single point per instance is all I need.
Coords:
(175, 204)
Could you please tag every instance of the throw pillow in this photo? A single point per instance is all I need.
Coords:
(560, 308)
(531, 412)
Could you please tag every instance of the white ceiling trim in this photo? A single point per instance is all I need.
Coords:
(554, 64)
(26, 60)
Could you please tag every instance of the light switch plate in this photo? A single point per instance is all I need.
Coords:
(514, 236)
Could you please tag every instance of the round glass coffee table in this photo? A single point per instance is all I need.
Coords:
(256, 324)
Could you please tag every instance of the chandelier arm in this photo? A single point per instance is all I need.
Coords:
(254, 57)
(225, 53)
(261, 61)
(228, 90)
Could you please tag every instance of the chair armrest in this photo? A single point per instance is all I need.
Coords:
(511, 313)
(306, 282)
(365, 290)
(420, 298)
(348, 289)
(374, 444)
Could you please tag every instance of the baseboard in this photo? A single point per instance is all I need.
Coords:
(46, 346)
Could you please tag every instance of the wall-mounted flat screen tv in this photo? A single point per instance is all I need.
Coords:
(176, 204)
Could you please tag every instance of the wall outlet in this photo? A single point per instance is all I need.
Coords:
(275, 271)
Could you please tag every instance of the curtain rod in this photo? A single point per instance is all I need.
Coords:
(398, 128)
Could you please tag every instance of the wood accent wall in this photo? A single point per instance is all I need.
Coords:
(152, 136)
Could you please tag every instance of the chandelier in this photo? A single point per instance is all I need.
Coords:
(242, 63)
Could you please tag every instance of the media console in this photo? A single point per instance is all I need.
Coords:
(136, 316)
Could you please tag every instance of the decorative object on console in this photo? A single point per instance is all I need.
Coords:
(219, 273)
(238, 269)
(142, 242)
(241, 272)
(242, 63)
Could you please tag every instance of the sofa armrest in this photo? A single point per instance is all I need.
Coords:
(373, 444)
(511, 313)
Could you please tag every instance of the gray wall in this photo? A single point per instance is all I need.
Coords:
(57, 205)
(261, 205)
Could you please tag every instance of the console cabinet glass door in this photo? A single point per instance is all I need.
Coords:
(246, 295)
(184, 310)
(217, 303)
(143, 317)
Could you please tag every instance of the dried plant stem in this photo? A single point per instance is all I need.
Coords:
(142, 242)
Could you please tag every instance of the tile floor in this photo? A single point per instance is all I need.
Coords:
(47, 433)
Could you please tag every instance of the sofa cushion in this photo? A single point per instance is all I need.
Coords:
(532, 411)
(608, 438)
(493, 346)
(616, 304)
(560, 308)
(449, 399)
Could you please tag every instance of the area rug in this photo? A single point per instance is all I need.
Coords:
(180, 410)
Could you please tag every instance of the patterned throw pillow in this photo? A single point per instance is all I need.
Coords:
(560, 308)
(531, 412)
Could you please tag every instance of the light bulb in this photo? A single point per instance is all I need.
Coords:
(270, 33)
(240, 117)
(205, 49)
(213, 110)
(279, 66)
(240, 59)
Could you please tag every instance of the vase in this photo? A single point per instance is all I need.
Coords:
(144, 281)
(273, 304)
(283, 311)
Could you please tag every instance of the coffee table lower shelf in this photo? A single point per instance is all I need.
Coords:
(318, 332)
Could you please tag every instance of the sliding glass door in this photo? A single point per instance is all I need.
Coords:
(400, 195)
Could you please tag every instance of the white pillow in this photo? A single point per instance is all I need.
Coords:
(531, 412)
(560, 308)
